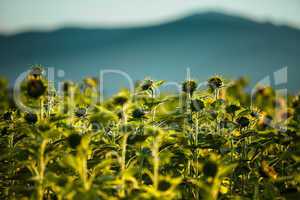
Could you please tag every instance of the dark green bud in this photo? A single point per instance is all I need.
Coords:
(189, 86)
(254, 114)
(215, 82)
(74, 140)
(120, 100)
(138, 113)
(31, 118)
(231, 109)
(36, 72)
(80, 112)
(35, 88)
(147, 85)
(7, 116)
(210, 169)
(243, 121)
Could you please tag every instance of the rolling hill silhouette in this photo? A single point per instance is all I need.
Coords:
(208, 43)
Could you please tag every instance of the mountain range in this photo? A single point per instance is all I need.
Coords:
(206, 43)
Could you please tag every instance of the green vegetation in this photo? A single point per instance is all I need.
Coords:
(209, 143)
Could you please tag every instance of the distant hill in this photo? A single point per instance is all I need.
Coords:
(207, 43)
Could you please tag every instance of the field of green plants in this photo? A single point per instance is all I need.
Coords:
(213, 142)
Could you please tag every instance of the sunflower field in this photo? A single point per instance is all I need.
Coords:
(214, 142)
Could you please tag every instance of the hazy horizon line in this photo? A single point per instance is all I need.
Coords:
(149, 23)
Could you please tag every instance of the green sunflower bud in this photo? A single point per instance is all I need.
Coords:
(210, 169)
(7, 116)
(36, 72)
(138, 113)
(243, 121)
(80, 112)
(231, 109)
(120, 100)
(35, 88)
(215, 82)
(189, 86)
(147, 85)
(74, 140)
(31, 118)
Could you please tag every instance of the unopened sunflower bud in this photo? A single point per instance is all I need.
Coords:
(210, 169)
(31, 118)
(189, 86)
(215, 82)
(243, 121)
(74, 140)
(138, 113)
(81, 112)
(35, 88)
(147, 85)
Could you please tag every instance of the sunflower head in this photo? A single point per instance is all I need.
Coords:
(189, 86)
(31, 118)
(138, 113)
(120, 100)
(7, 116)
(215, 82)
(210, 169)
(74, 140)
(243, 122)
(147, 85)
(231, 109)
(80, 112)
(35, 88)
(36, 72)
(254, 114)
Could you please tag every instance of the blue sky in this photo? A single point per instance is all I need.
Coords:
(21, 15)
